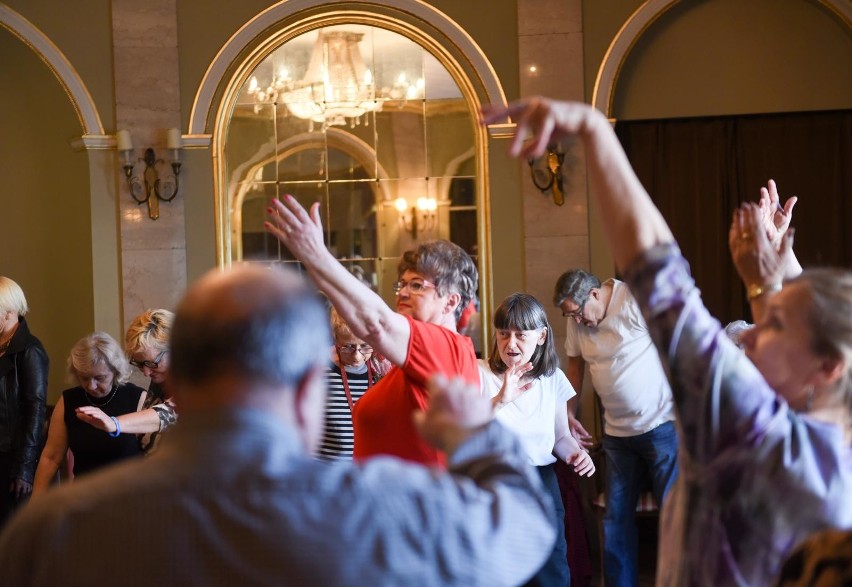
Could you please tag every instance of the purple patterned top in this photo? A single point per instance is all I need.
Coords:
(756, 478)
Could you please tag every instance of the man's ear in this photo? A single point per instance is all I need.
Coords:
(309, 393)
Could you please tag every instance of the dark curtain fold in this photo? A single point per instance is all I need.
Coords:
(698, 171)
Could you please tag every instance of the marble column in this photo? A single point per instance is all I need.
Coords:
(153, 252)
(556, 238)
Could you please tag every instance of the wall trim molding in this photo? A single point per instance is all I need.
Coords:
(58, 64)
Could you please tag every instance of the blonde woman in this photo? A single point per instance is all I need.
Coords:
(23, 391)
(101, 370)
(147, 347)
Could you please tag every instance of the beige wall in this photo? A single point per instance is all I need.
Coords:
(45, 226)
(701, 58)
(736, 57)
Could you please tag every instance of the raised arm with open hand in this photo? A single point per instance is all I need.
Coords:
(633, 222)
(363, 310)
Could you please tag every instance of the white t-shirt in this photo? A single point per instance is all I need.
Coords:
(624, 365)
(532, 417)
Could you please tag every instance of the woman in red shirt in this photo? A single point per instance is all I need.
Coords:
(437, 280)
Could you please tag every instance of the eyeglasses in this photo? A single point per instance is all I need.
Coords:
(351, 349)
(415, 287)
(578, 313)
(150, 364)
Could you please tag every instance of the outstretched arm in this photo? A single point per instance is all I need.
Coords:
(633, 224)
(132, 423)
(364, 311)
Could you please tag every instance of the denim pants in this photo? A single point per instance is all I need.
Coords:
(555, 571)
(630, 462)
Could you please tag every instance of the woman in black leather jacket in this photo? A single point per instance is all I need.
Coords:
(23, 393)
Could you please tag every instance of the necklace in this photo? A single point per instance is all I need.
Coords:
(105, 400)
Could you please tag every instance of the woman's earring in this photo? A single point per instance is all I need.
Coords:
(809, 400)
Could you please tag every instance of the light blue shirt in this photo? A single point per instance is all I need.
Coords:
(230, 499)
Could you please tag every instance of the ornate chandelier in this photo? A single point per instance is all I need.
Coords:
(337, 88)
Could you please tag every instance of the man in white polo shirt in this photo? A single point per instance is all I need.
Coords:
(606, 331)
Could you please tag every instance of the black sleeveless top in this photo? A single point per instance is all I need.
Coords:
(94, 448)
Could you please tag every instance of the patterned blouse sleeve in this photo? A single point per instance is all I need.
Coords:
(722, 400)
(166, 412)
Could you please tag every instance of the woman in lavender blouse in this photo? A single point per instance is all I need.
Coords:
(765, 456)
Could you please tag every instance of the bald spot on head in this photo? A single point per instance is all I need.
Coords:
(264, 325)
(232, 295)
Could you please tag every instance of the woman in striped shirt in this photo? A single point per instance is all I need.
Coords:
(355, 368)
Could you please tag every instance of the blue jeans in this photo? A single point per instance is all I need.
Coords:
(555, 571)
(630, 462)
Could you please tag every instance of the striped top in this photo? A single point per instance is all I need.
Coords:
(338, 439)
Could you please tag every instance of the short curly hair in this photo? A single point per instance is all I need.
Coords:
(150, 330)
(445, 264)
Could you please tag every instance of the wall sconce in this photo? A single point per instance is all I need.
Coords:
(150, 188)
(546, 173)
(420, 218)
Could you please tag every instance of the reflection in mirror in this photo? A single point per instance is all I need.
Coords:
(369, 124)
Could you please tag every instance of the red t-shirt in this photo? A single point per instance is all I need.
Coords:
(383, 416)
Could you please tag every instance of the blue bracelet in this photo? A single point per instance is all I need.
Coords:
(117, 427)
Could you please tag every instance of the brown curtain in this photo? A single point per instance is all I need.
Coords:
(698, 170)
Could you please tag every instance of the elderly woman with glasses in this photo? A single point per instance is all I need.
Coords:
(147, 346)
(355, 368)
(436, 281)
(99, 367)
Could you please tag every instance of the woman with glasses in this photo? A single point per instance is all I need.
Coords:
(355, 368)
(100, 368)
(147, 346)
(766, 445)
(436, 281)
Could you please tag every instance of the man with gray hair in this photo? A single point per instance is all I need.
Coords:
(606, 330)
(233, 496)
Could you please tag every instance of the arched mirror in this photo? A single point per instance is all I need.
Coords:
(370, 124)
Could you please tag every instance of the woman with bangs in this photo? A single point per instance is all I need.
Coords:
(530, 396)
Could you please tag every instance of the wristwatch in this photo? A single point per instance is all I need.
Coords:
(754, 291)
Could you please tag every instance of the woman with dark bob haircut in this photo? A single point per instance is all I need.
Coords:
(530, 395)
